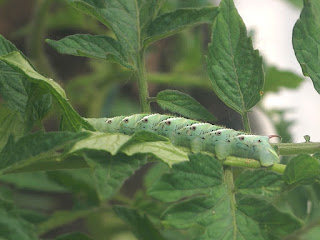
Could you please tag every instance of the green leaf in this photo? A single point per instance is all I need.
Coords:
(11, 124)
(108, 142)
(38, 181)
(183, 104)
(16, 61)
(171, 23)
(36, 147)
(302, 169)
(128, 20)
(173, 187)
(110, 175)
(275, 79)
(18, 92)
(269, 217)
(259, 182)
(98, 46)
(306, 41)
(14, 88)
(60, 218)
(79, 182)
(234, 67)
(138, 143)
(162, 150)
(6, 46)
(207, 199)
(12, 226)
(39, 103)
(297, 3)
(141, 226)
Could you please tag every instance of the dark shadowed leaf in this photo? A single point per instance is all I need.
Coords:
(183, 104)
(78, 181)
(60, 218)
(234, 67)
(306, 41)
(12, 226)
(74, 236)
(140, 225)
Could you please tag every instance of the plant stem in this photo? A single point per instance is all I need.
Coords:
(297, 148)
(36, 38)
(40, 123)
(228, 178)
(142, 83)
(246, 124)
(251, 163)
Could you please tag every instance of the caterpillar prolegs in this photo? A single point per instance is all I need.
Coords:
(198, 136)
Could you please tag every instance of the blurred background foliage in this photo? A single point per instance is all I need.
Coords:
(65, 201)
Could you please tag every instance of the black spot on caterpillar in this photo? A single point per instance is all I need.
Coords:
(198, 136)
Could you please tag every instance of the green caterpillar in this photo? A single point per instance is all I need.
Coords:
(198, 136)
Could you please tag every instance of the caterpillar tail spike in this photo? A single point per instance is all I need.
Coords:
(275, 136)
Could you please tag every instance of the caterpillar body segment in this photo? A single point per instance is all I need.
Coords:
(113, 124)
(198, 136)
(150, 122)
(170, 129)
(220, 142)
(194, 135)
(128, 124)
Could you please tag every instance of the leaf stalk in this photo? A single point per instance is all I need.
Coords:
(246, 123)
(297, 148)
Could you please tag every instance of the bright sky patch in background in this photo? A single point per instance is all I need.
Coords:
(272, 22)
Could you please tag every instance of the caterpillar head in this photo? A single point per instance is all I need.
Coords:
(257, 147)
